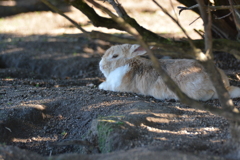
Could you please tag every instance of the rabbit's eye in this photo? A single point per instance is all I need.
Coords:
(115, 56)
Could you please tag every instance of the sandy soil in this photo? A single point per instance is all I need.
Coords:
(50, 103)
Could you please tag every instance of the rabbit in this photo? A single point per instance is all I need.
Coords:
(126, 71)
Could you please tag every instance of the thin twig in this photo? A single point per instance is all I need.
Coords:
(173, 8)
(117, 6)
(223, 16)
(222, 7)
(208, 64)
(186, 8)
(219, 32)
(8, 129)
(212, 8)
(199, 32)
(194, 20)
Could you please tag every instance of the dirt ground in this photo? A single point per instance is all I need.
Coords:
(50, 103)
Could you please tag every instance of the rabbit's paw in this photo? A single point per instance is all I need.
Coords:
(103, 85)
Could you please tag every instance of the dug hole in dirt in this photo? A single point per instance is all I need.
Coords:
(51, 108)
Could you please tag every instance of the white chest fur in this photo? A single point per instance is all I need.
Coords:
(114, 79)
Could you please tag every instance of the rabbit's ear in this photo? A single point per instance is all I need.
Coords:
(137, 50)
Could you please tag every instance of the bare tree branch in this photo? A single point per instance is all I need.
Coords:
(224, 16)
(212, 8)
(97, 20)
(173, 8)
(118, 8)
(207, 28)
(186, 8)
(214, 75)
(106, 22)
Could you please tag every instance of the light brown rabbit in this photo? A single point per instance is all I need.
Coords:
(126, 71)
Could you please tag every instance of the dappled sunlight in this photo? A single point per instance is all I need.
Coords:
(157, 120)
(36, 106)
(184, 131)
(7, 79)
(69, 113)
(129, 124)
(105, 104)
(183, 124)
(159, 127)
(167, 118)
(25, 103)
(8, 51)
(161, 138)
(36, 139)
(218, 140)
(190, 109)
(190, 70)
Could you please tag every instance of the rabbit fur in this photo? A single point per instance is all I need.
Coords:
(126, 71)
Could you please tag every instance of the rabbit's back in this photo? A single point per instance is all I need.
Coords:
(185, 70)
(190, 77)
(188, 74)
